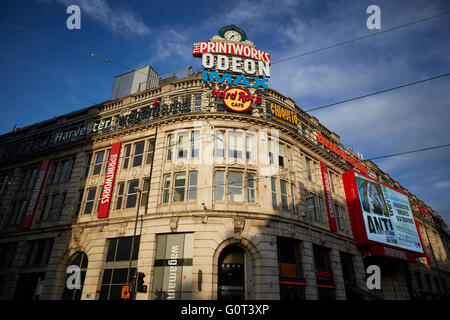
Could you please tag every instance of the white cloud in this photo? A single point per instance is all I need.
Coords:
(120, 21)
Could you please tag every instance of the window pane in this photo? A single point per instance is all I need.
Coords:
(111, 254)
(250, 146)
(63, 173)
(150, 151)
(274, 192)
(98, 162)
(166, 188)
(195, 142)
(251, 187)
(179, 186)
(138, 153)
(126, 159)
(235, 184)
(219, 189)
(123, 249)
(220, 143)
(145, 189)
(170, 146)
(182, 146)
(284, 197)
(192, 193)
(88, 165)
(235, 144)
(132, 194)
(121, 187)
(90, 200)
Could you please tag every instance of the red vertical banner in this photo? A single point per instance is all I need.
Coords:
(110, 176)
(35, 194)
(328, 196)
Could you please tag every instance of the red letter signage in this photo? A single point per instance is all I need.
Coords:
(328, 197)
(110, 176)
(37, 188)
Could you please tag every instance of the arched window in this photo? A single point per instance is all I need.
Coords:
(80, 259)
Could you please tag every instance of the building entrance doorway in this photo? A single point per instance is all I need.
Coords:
(231, 274)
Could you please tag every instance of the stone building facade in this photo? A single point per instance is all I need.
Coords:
(230, 206)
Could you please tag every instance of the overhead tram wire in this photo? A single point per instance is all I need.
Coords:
(408, 152)
(71, 47)
(378, 92)
(361, 38)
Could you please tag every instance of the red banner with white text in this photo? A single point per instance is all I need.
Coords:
(328, 196)
(36, 193)
(108, 185)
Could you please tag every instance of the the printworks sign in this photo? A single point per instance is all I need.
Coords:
(172, 278)
(232, 60)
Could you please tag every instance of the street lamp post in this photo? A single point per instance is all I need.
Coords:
(133, 291)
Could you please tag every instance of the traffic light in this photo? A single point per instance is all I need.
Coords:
(140, 282)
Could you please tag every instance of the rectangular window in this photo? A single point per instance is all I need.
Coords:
(166, 188)
(150, 151)
(126, 157)
(198, 103)
(179, 186)
(192, 191)
(292, 282)
(220, 144)
(250, 146)
(32, 178)
(89, 206)
(270, 148)
(293, 197)
(170, 146)
(274, 192)
(235, 186)
(251, 189)
(43, 208)
(53, 206)
(235, 144)
(99, 197)
(145, 190)
(52, 173)
(347, 268)
(308, 168)
(311, 206)
(182, 145)
(284, 194)
(138, 153)
(106, 160)
(219, 186)
(99, 156)
(88, 164)
(132, 194)
(195, 143)
(120, 189)
(63, 171)
(281, 156)
(79, 202)
(21, 213)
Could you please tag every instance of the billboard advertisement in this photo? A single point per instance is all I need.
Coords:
(172, 278)
(380, 214)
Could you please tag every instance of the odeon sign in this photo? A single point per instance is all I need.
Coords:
(228, 61)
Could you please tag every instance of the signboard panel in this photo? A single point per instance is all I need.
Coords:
(380, 215)
(173, 267)
(328, 196)
(35, 195)
(108, 185)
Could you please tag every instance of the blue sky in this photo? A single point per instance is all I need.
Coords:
(41, 79)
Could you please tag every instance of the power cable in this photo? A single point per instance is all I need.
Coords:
(408, 152)
(378, 92)
(360, 38)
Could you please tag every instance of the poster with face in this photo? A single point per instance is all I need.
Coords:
(387, 215)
